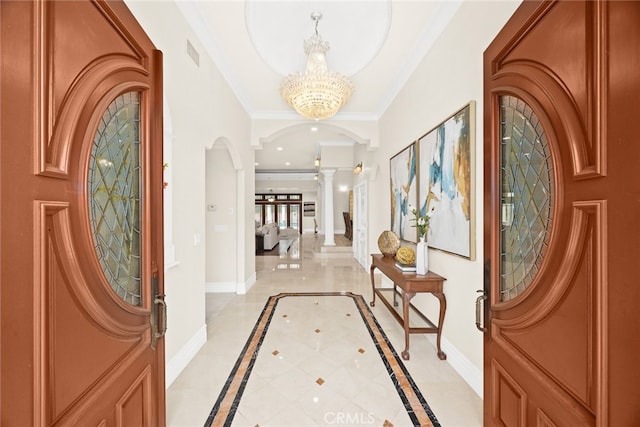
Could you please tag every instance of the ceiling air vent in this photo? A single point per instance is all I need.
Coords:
(193, 53)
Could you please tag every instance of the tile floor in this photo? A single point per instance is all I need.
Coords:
(231, 319)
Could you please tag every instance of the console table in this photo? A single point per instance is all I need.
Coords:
(410, 284)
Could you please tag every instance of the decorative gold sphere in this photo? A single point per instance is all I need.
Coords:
(388, 242)
(406, 255)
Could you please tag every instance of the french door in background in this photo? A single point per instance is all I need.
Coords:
(81, 211)
(288, 215)
(562, 216)
(282, 209)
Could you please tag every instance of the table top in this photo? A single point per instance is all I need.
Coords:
(408, 281)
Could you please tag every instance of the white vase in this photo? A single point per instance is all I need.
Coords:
(422, 257)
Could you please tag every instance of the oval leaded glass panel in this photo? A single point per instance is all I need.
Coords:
(114, 196)
(526, 180)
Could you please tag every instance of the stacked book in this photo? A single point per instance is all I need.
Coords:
(406, 268)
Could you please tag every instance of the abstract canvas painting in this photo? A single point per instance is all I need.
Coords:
(446, 182)
(403, 193)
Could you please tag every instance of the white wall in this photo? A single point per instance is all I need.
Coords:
(203, 109)
(340, 204)
(448, 77)
(221, 219)
(286, 186)
(337, 155)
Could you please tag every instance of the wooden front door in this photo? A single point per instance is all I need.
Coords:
(562, 216)
(81, 213)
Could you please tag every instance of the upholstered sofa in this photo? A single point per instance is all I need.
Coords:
(269, 233)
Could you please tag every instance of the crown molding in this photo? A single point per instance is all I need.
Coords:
(441, 19)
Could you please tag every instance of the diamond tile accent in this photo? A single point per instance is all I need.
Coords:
(348, 314)
(284, 315)
(293, 378)
(317, 331)
(387, 423)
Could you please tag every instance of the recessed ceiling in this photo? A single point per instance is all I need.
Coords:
(255, 44)
(300, 147)
(254, 73)
(355, 31)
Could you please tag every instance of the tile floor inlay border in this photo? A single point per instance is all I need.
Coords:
(228, 401)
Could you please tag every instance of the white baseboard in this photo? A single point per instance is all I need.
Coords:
(176, 365)
(244, 287)
(463, 366)
(220, 287)
(230, 287)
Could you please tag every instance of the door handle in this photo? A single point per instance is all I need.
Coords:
(159, 301)
(158, 310)
(479, 306)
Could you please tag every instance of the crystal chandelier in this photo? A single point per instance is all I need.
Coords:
(318, 93)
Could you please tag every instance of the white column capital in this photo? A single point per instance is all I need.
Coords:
(328, 173)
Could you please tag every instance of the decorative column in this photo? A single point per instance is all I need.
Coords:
(327, 203)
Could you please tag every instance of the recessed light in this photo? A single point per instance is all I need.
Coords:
(314, 129)
(279, 148)
(287, 163)
(343, 188)
(256, 164)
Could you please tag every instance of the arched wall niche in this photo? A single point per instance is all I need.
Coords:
(223, 141)
(219, 233)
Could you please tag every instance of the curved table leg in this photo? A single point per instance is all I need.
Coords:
(406, 303)
(443, 308)
(372, 303)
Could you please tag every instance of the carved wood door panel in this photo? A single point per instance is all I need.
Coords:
(81, 211)
(562, 216)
